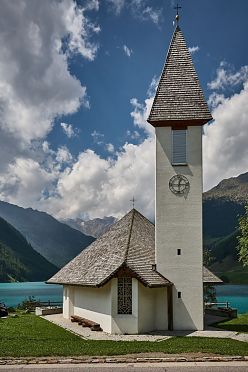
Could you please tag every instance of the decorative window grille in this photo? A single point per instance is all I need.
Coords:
(179, 146)
(125, 295)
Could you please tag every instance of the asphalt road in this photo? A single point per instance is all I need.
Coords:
(137, 367)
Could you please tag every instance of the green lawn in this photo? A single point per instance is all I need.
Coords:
(239, 324)
(28, 335)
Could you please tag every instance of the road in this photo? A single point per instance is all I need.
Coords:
(137, 367)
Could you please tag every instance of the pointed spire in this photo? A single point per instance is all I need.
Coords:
(179, 99)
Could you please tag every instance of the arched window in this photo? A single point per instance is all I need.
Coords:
(125, 295)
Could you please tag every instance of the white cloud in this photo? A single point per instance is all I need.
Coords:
(225, 150)
(127, 50)
(25, 182)
(68, 130)
(133, 134)
(153, 87)
(227, 77)
(36, 87)
(141, 111)
(215, 99)
(78, 28)
(140, 9)
(92, 5)
(194, 49)
(110, 147)
(87, 185)
(35, 83)
(140, 114)
(63, 155)
(103, 187)
(97, 137)
(148, 13)
(99, 187)
(117, 5)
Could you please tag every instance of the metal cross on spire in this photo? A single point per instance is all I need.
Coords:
(133, 201)
(177, 15)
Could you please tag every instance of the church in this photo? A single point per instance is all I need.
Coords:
(138, 277)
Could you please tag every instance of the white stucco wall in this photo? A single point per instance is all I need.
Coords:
(149, 307)
(68, 301)
(152, 309)
(179, 226)
(94, 304)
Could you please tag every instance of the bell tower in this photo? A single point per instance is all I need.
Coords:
(178, 113)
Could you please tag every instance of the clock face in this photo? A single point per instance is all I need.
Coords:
(179, 184)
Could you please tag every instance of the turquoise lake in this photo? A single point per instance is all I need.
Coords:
(14, 293)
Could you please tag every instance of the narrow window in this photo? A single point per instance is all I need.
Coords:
(179, 294)
(125, 295)
(179, 146)
(179, 252)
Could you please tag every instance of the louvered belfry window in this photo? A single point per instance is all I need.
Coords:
(125, 295)
(179, 146)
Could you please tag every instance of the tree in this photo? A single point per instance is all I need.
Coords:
(243, 238)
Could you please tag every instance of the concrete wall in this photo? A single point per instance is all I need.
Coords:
(152, 309)
(179, 226)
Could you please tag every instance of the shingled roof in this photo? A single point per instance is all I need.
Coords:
(179, 97)
(128, 245)
(209, 277)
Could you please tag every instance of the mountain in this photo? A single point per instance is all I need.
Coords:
(18, 260)
(233, 189)
(222, 206)
(55, 241)
(94, 227)
(226, 264)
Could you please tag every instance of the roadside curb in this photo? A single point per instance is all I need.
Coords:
(95, 360)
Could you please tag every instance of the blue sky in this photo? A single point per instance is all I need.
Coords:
(77, 81)
(113, 78)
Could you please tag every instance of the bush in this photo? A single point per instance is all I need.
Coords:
(29, 304)
(11, 309)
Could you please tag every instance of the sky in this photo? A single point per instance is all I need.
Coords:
(77, 81)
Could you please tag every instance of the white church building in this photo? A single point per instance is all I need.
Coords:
(138, 277)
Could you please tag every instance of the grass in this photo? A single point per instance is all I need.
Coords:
(28, 335)
(239, 324)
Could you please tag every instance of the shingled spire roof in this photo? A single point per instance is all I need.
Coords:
(179, 98)
(127, 247)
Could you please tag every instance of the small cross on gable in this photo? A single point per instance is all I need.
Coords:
(133, 201)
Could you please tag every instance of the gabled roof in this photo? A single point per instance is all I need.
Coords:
(179, 97)
(209, 277)
(129, 244)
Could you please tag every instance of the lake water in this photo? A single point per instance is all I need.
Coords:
(236, 295)
(14, 293)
